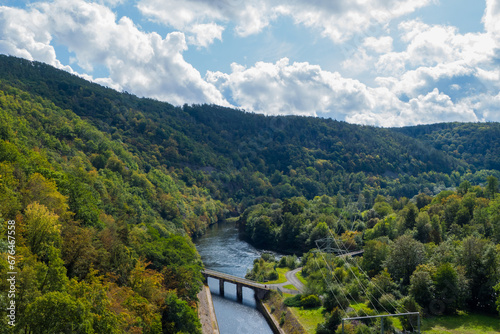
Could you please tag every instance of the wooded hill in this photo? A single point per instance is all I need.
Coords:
(106, 189)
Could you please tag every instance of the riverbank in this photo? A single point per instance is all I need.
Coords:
(280, 317)
(206, 312)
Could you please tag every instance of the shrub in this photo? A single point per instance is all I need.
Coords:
(273, 275)
(294, 301)
(282, 318)
(310, 301)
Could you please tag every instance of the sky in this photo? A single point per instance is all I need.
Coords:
(385, 63)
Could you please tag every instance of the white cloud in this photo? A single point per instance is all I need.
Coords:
(298, 88)
(337, 20)
(429, 73)
(491, 18)
(487, 106)
(379, 45)
(23, 35)
(249, 17)
(341, 20)
(205, 34)
(433, 107)
(438, 57)
(305, 89)
(142, 63)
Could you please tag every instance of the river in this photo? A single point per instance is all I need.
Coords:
(221, 250)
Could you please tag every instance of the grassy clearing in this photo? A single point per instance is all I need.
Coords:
(301, 278)
(290, 287)
(309, 319)
(281, 278)
(462, 323)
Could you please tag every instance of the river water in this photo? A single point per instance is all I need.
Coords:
(221, 250)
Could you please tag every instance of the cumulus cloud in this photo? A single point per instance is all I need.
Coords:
(341, 20)
(436, 56)
(298, 88)
(491, 18)
(190, 16)
(379, 45)
(411, 74)
(142, 63)
(305, 89)
(337, 20)
(205, 34)
(23, 35)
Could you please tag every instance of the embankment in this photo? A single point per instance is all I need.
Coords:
(206, 312)
(279, 317)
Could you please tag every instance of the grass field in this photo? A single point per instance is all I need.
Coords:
(281, 278)
(290, 286)
(301, 278)
(462, 324)
(309, 319)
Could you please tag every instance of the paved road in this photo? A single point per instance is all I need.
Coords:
(291, 276)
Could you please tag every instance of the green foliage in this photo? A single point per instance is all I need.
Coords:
(104, 184)
(42, 228)
(422, 286)
(178, 317)
(310, 301)
(404, 256)
(333, 320)
(58, 312)
(294, 301)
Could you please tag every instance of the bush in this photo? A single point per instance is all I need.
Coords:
(294, 301)
(282, 318)
(310, 301)
(331, 324)
(273, 275)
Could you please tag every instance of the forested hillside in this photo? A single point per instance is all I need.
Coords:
(247, 157)
(105, 190)
(478, 144)
(101, 245)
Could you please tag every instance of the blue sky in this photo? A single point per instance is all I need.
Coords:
(377, 62)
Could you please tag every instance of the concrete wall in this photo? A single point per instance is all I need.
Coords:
(206, 312)
(273, 323)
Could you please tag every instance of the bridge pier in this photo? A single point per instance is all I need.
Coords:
(239, 292)
(221, 287)
(259, 289)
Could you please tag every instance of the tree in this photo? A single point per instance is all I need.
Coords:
(449, 290)
(45, 192)
(42, 227)
(497, 289)
(464, 187)
(422, 286)
(492, 186)
(423, 227)
(178, 317)
(382, 285)
(375, 253)
(481, 264)
(405, 255)
(334, 319)
(410, 214)
(58, 312)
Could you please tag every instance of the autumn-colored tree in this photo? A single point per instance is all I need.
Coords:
(42, 228)
(45, 192)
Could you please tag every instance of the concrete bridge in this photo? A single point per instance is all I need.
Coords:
(260, 289)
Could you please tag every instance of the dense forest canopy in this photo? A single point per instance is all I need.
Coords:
(106, 189)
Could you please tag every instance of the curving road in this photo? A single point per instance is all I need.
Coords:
(291, 279)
